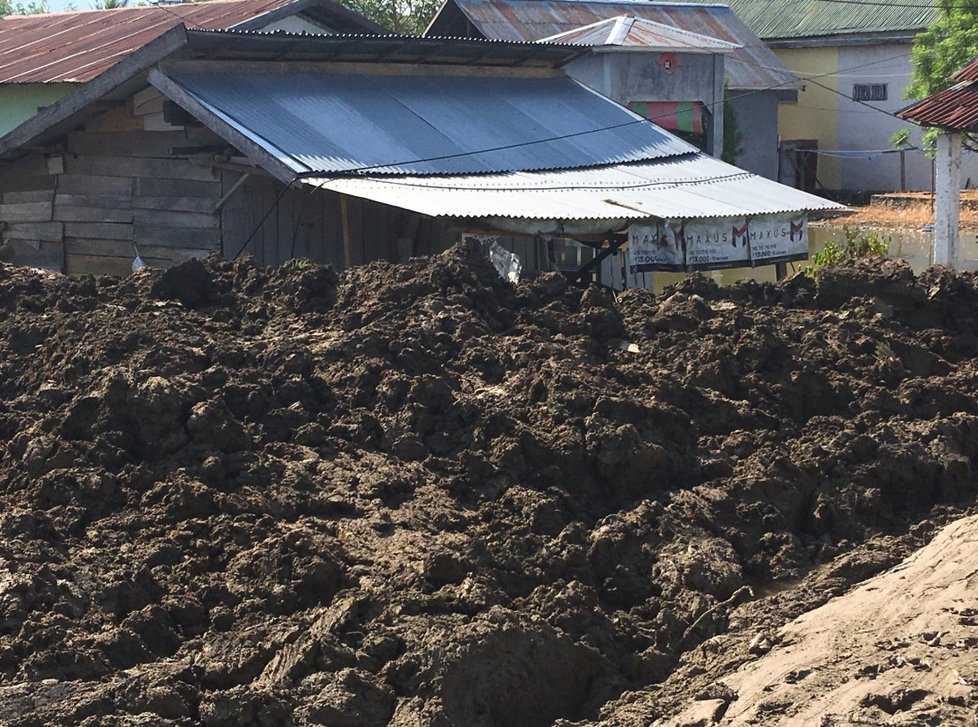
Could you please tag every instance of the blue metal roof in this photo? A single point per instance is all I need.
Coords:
(426, 124)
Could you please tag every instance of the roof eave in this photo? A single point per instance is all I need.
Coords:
(50, 120)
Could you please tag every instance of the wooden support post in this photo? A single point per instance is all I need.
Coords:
(780, 271)
(345, 222)
(947, 199)
(903, 170)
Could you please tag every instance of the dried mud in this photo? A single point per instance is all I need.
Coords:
(417, 495)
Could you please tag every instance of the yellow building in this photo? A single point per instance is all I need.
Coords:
(854, 59)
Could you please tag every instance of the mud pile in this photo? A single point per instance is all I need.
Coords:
(417, 495)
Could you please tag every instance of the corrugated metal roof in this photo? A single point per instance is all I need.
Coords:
(279, 45)
(968, 73)
(808, 18)
(758, 68)
(695, 186)
(426, 124)
(78, 46)
(627, 31)
(954, 108)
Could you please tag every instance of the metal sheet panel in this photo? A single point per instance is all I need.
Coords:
(954, 108)
(630, 32)
(811, 18)
(78, 46)
(692, 187)
(752, 66)
(427, 124)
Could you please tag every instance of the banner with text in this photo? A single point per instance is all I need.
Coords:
(717, 243)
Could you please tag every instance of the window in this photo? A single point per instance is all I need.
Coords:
(869, 92)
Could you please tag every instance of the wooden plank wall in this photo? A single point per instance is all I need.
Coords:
(129, 179)
(110, 186)
(307, 223)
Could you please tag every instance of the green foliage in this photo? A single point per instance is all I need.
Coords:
(32, 7)
(405, 17)
(858, 244)
(945, 47)
(109, 4)
(733, 137)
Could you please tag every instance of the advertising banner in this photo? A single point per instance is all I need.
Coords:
(655, 247)
(728, 242)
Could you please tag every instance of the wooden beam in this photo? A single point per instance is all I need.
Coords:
(175, 92)
(234, 188)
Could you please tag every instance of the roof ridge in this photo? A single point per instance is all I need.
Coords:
(168, 7)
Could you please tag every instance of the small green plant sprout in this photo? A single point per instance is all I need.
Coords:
(858, 244)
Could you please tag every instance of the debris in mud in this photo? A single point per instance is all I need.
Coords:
(420, 495)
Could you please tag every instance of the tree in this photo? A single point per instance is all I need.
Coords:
(405, 17)
(945, 47)
(109, 4)
(33, 7)
(733, 137)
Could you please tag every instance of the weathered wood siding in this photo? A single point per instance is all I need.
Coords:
(133, 177)
(83, 205)
(308, 223)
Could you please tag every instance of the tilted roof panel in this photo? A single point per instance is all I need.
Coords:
(691, 187)
(426, 124)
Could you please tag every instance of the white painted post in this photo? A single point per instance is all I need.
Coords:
(948, 199)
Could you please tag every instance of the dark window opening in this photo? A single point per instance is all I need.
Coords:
(869, 92)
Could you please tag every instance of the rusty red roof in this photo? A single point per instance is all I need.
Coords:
(752, 66)
(75, 47)
(955, 108)
(968, 73)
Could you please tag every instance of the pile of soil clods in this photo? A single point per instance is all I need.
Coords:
(418, 495)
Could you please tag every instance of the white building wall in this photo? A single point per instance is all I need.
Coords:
(861, 128)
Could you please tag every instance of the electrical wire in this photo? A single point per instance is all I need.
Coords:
(457, 155)
(357, 171)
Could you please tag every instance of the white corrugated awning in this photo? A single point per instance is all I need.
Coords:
(695, 186)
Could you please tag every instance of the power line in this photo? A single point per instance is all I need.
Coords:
(356, 171)
(517, 145)
(882, 4)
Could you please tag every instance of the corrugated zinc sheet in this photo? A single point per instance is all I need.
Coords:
(692, 187)
(968, 73)
(954, 108)
(78, 46)
(757, 66)
(631, 32)
(807, 18)
(427, 124)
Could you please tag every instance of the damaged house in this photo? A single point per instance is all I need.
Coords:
(349, 148)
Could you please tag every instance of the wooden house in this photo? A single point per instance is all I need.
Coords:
(345, 149)
(44, 57)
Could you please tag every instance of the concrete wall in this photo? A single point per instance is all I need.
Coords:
(816, 113)
(757, 115)
(862, 128)
(20, 101)
(852, 137)
(627, 76)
